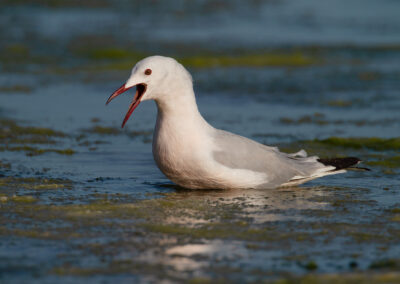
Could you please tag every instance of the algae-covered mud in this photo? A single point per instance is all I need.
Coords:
(81, 199)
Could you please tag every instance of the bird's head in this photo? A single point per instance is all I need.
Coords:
(155, 78)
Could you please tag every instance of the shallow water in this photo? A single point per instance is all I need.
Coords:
(87, 203)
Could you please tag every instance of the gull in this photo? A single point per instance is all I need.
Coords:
(195, 155)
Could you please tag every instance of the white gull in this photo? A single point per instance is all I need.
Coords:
(193, 154)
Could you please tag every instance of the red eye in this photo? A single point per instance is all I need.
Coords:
(147, 72)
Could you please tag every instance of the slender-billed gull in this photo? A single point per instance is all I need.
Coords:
(193, 154)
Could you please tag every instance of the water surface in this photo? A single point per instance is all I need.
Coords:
(82, 200)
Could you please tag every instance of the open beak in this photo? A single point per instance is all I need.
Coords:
(140, 90)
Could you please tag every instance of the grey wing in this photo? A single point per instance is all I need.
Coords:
(238, 152)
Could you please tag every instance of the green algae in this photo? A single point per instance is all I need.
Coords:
(386, 162)
(132, 267)
(226, 231)
(48, 186)
(18, 56)
(349, 199)
(16, 89)
(342, 278)
(137, 133)
(368, 76)
(114, 267)
(114, 58)
(362, 237)
(187, 216)
(33, 151)
(13, 133)
(385, 264)
(311, 265)
(320, 119)
(111, 54)
(23, 199)
(10, 127)
(5, 165)
(339, 103)
(103, 54)
(301, 120)
(202, 280)
(18, 51)
(107, 58)
(333, 146)
(373, 143)
(37, 131)
(149, 210)
(100, 209)
(95, 120)
(32, 183)
(103, 130)
(317, 212)
(149, 215)
(395, 218)
(169, 217)
(296, 59)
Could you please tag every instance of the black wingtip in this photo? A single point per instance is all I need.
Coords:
(340, 163)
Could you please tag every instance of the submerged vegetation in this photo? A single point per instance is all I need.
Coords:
(16, 89)
(102, 130)
(10, 131)
(33, 151)
(386, 162)
(33, 183)
(373, 143)
(345, 144)
(120, 59)
(199, 219)
(15, 138)
(295, 59)
(99, 54)
(320, 119)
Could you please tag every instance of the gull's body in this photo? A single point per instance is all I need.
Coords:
(193, 154)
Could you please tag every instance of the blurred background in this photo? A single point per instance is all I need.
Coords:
(319, 75)
(332, 58)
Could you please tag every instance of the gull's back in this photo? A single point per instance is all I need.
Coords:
(237, 152)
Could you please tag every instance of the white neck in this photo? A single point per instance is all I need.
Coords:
(182, 109)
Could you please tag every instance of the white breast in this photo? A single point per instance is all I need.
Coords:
(179, 150)
(185, 155)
